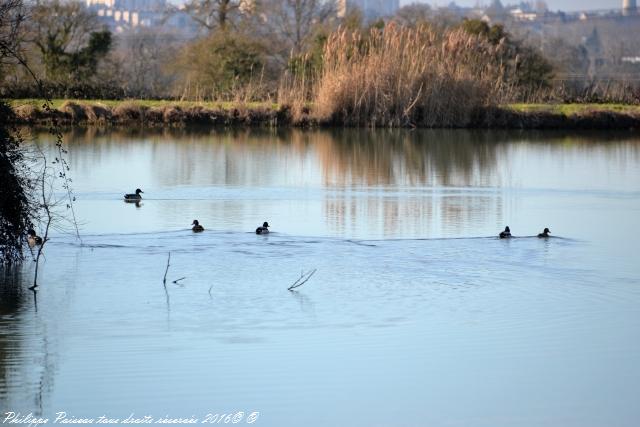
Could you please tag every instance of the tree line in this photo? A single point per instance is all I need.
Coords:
(243, 50)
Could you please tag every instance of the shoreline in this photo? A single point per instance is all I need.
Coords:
(226, 114)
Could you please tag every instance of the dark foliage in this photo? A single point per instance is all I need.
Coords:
(74, 90)
(15, 205)
(83, 64)
(522, 65)
(63, 33)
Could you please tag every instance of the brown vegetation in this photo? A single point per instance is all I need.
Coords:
(403, 76)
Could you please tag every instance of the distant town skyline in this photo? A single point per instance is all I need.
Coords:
(568, 5)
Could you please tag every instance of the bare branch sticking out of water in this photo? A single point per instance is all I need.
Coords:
(177, 280)
(164, 281)
(304, 277)
(46, 206)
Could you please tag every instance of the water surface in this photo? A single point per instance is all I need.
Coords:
(417, 315)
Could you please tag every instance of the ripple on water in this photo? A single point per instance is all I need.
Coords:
(411, 301)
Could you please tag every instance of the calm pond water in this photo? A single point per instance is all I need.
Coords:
(417, 315)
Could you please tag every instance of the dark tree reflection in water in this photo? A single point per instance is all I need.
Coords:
(25, 360)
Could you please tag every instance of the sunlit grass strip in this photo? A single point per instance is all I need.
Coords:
(58, 103)
(572, 109)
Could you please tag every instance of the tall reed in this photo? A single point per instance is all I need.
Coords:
(406, 77)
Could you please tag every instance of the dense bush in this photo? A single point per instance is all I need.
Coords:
(522, 67)
(218, 66)
(15, 204)
(76, 90)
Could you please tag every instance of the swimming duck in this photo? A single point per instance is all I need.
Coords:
(196, 226)
(264, 229)
(506, 233)
(545, 233)
(33, 239)
(134, 197)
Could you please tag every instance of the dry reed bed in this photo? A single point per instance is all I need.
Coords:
(406, 77)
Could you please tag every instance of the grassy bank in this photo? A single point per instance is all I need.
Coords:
(575, 109)
(144, 103)
(183, 113)
(148, 113)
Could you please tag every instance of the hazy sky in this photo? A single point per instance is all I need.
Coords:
(553, 4)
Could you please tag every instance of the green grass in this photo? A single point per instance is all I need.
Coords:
(571, 109)
(57, 103)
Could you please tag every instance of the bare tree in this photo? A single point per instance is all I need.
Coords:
(297, 21)
(12, 14)
(142, 58)
(46, 205)
(413, 14)
(29, 210)
(58, 29)
(215, 14)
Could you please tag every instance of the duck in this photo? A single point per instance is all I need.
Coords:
(134, 197)
(506, 233)
(264, 229)
(197, 228)
(33, 239)
(545, 233)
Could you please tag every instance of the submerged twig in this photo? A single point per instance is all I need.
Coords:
(167, 270)
(304, 277)
(210, 287)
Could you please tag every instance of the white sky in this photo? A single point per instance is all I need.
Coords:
(553, 4)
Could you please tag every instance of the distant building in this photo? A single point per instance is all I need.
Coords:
(371, 9)
(520, 15)
(122, 15)
(629, 7)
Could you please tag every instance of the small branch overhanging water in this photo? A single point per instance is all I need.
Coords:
(48, 203)
(46, 207)
(304, 277)
(164, 285)
(64, 169)
(164, 280)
